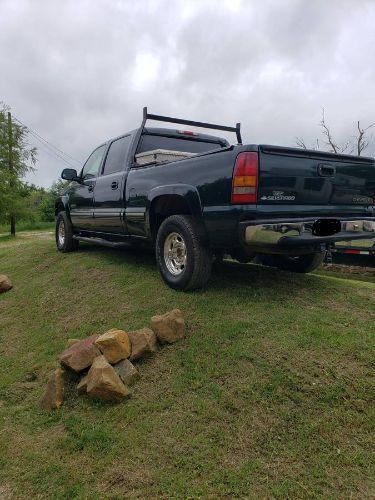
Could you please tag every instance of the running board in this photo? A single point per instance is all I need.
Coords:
(101, 241)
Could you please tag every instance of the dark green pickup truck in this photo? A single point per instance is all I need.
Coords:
(195, 197)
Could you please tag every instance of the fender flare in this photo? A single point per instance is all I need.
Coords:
(62, 200)
(186, 191)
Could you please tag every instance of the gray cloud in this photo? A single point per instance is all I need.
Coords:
(80, 72)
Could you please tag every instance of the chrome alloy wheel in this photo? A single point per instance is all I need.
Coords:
(61, 233)
(175, 253)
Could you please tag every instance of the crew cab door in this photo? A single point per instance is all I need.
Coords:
(82, 193)
(109, 204)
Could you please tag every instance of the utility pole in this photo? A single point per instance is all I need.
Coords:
(10, 164)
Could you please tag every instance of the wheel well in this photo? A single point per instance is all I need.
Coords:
(165, 206)
(59, 207)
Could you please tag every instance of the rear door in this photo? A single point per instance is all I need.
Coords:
(315, 182)
(109, 188)
(81, 193)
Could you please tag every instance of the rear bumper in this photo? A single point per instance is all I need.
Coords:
(283, 235)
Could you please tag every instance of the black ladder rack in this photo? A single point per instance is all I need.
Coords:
(169, 119)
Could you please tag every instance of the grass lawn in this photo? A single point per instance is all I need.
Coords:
(270, 395)
(27, 226)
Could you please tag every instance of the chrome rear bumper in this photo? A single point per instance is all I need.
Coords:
(302, 232)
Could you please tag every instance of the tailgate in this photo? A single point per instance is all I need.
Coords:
(291, 176)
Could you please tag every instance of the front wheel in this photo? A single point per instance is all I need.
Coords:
(183, 259)
(64, 234)
(297, 264)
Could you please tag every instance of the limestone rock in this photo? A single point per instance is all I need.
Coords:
(5, 283)
(168, 327)
(71, 342)
(114, 345)
(127, 372)
(104, 383)
(80, 355)
(143, 343)
(53, 396)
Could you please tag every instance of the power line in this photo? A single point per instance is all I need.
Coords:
(49, 144)
(45, 140)
(47, 147)
(52, 151)
(54, 155)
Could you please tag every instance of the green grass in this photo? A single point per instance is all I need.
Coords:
(27, 226)
(271, 394)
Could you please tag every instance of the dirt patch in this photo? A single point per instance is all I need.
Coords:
(350, 270)
(5, 492)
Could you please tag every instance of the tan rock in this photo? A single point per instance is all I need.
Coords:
(53, 396)
(127, 372)
(71, 342)
(143, 343)
(82, 385)
(168, 327)
(114, 345)
(5, 283)
(104, 383)
(80, 355)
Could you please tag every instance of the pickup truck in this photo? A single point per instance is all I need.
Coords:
(195, 198)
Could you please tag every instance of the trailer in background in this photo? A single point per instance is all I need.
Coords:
(358, 247)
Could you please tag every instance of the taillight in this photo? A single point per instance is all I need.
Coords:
(245, 178)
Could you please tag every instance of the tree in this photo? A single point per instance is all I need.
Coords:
(47, 203)
(355, 145)
(16, 159)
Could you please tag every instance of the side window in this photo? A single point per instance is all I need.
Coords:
(92, 165)
(116, 155)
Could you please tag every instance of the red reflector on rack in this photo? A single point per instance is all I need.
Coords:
(186, 132)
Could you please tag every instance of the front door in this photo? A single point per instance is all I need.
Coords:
(82, 192)
(109, 189)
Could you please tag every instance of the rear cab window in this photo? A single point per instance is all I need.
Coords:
(162, 145)
(151, 142)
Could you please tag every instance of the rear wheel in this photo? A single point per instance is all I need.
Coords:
(297, 264)
(183, 260)
(64, 234)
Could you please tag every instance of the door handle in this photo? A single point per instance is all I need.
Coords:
(114, 185)
(326, 170)
(90, 188)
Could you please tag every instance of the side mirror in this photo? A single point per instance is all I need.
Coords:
(70, 174)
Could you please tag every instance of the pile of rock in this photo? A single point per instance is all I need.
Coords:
(5, 283)
(102, 365)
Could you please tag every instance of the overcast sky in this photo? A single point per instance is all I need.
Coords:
(78, 72)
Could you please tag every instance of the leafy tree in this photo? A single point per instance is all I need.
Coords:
(47, 204)
(16, 159)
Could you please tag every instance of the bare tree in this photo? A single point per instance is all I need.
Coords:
(362, 141)
(357, 144)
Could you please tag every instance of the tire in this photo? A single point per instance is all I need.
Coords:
(183, 260)
(64, 234)
(299, 264)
